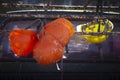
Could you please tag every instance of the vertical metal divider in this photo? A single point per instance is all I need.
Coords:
(35, 23)
(19, 71)
(62, 72)
(67, 49)
(99, 12)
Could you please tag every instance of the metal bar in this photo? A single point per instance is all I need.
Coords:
(98, 33)
(17, 59)
(35, 23)
(66, 49)
(81, 33)
(50, 16)
(64, 60)
(59, 6)
(48, 4)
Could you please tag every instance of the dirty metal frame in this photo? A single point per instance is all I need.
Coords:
(3, 31)
(5, 59)
(67, 50)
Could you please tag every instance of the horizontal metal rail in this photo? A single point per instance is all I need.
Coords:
(98, 33)
(64, 60)
(80, 33)
(83, 16)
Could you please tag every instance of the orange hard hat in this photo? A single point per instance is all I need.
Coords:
(47, 50)
(22, 41)
(61, 29)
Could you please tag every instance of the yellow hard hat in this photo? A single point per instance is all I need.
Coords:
(106, 26)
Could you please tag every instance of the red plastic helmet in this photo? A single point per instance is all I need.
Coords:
(22, 41)
(47, 50)
(61, 29)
